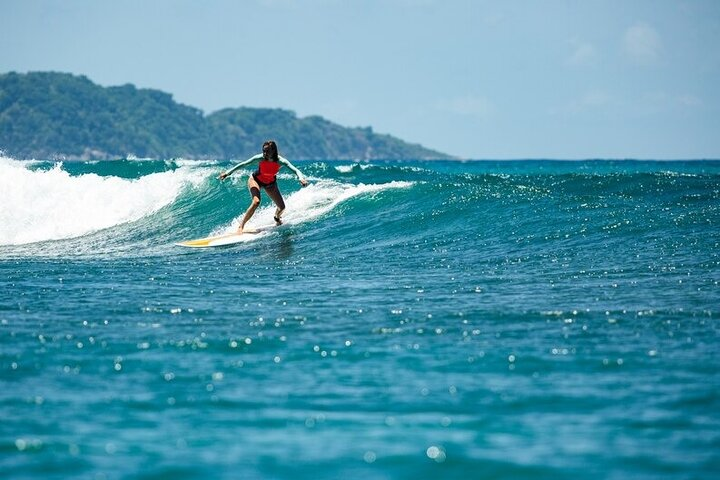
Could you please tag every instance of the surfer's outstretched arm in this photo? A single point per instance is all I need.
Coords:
(254, 158)
(295, 170)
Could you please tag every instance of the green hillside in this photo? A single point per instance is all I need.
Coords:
(58, 115)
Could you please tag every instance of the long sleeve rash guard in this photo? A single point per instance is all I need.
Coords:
(258, 158)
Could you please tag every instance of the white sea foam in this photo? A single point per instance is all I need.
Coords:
(183, 162)
(309, 203)
(52, 205)
(350, 168)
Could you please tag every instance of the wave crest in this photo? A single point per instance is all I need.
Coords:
(42, 205)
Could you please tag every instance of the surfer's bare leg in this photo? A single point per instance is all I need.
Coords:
(274, 193)
(254, 203)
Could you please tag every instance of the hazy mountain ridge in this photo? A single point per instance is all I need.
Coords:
(59, 115)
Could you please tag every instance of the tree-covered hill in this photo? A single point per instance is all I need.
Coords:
(52, 115)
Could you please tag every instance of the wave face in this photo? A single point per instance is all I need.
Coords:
(525, 319)
(47, 201)
(53, 204)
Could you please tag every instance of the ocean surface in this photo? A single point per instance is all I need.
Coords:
(410, 320)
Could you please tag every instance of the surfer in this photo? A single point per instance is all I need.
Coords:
(265, 177)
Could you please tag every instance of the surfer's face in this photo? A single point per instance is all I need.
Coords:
(269, 150)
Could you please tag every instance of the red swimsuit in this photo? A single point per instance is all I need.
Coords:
(266, 172)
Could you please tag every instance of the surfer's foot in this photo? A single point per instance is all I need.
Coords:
(277, 221)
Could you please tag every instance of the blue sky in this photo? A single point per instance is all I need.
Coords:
(564, 79)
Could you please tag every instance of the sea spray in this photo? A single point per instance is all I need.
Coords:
(309, 203)
(40, 205)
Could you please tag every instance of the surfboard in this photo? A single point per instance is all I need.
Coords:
(217, 240)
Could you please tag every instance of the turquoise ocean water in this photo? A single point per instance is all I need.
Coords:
(411, 320)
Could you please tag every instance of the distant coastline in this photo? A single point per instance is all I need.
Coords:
(50, 115)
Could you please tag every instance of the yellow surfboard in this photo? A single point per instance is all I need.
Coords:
(218, 240)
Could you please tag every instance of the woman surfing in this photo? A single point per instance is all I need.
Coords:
(265, 177)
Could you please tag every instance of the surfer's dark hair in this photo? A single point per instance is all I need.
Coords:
(270, 151)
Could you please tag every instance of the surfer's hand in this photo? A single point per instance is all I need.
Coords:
(222, 176)
(303, 182)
